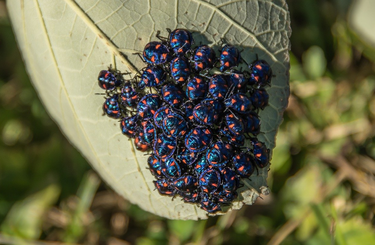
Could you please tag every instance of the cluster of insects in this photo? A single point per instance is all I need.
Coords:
(194, 111)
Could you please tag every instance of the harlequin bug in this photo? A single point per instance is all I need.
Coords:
(230, 180)
(238, 80)
(234, 124)
(208, 205)
(129, 126)
(186, 157)
(159, 116)
(237, 141)
(107, 80)
(140, 143)
(129, 97)
(149, 132)
(180, 69)
(209, 180)
(174, 126)
(217, 105)
(180, 41)
(164, 187)
(189, 108)
(229, 57)
(187, 183)
(201, 165)
(261, 153)
(218, 87)
(239, 103)
(251, 123)
(156, 53)
(148, 105)
(164, 146)
(111, 107)
(260, 73)
(204, 57)
(219, 154)
(198, 139)
(196, 88)
(190, 197)
(226, 197)
(152, 76)
(173, 95)
(155, 166)
(259, 98)
(204, 113)
(171, 168)
(244, 164)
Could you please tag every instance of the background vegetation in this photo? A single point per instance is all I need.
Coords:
(322, 174)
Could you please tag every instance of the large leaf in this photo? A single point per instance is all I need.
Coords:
(65, 44)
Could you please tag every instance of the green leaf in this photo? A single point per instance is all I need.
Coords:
(65, 43)
(24, 220)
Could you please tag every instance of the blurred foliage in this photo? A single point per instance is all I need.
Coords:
(322, 174)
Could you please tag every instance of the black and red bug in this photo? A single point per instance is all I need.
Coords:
(171, 168)
(218, 87)
(230, 179)
(111, 107)
(239, 103)
(196, 88)
(129, 126)
(140, 143)
(230, 56)
(188, 107)
(148, 105)
(107, 80)
(180, 70)
(164, 187)
(260, 73)
(201, 165)
(251, 123)
(186, 183)
(210, 180)
(198, 139)
(156, 53)
(259, 98)
(180, 41)
(160, 114)
(204, 57)
(219, 154)
(234, 124)
(155, 166)
(186, 157)
(261, 153)
(190, 197)
(149, 131)
(164, 146)
(175, 126)
(173, 95)
(205, 114)
(209, 205)
(152, 76)
(238, 80)
(243, 163)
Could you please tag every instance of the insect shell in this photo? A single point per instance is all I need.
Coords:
(156, 53)
(180, 41)
(229, 57)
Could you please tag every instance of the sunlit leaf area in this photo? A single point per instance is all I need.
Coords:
(321, 177)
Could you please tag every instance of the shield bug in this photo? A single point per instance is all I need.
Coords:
(180, 69)
(180, 41)
(107, 80)
(156, 53)
(229, 57)
(204, 57)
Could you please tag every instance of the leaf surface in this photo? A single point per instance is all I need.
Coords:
(65, 43)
